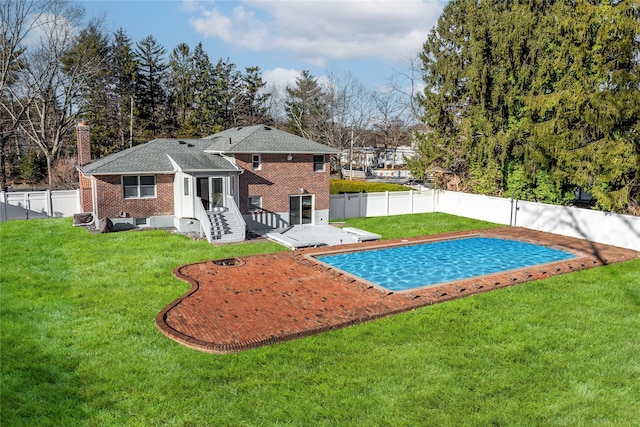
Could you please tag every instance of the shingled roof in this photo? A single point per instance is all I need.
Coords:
(155, 157)
(263, 139)
(192, 155)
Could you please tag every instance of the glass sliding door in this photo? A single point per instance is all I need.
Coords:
(307, 209)
(202, 191)
(217, 192)
(301, 210)
(211, 191)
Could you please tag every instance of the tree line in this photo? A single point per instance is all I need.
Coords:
(534, 99)
(54, 75)
(531, 99)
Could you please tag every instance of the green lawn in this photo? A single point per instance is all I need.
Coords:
(79, 345)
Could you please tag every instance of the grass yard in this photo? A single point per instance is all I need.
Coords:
(79, 345)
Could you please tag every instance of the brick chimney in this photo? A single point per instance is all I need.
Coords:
(84, 144)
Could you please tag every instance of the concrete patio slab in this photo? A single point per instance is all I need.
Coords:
(313, 236)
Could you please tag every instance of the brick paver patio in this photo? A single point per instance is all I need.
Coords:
(258, 300)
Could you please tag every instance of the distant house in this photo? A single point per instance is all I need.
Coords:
(242, 179)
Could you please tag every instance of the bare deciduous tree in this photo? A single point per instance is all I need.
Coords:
(43, 95)
(19, 20)
(408, 84)
(391, 109)
(349, 107)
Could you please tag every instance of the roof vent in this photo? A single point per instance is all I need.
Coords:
(229, 140)
(181, 142)
(267, 128)
(190, 145)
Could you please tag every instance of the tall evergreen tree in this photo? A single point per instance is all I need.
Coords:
(253, 108)
(97, 102)
(306, 107)
(585, 106)
(124, 68)
(203, 118)
(182, 76)
(538, 96)
(227, 92)
(150, 92)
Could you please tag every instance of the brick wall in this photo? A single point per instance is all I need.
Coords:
(279, 178)
(84, 144)
(111, 201)
(86, 202)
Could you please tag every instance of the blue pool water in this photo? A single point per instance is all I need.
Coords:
(412, 266)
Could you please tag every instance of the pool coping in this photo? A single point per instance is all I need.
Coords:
(272, 298)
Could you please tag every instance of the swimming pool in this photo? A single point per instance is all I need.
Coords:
(412, 266)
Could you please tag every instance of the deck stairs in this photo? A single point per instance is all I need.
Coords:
(226, 226)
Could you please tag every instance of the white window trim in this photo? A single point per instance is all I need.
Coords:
(251, 208)
(324, 161)
(253, 166)
(155, 189)
(141, 222)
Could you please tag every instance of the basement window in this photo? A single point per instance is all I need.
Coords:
(139, 187)
(255, 204)
(140, 222)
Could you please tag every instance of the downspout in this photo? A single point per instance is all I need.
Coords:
(232, 161)
(94, 201)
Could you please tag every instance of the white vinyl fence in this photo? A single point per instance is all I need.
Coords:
(595, 226)
(39, 204)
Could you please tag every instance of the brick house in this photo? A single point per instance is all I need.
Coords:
(252, 178)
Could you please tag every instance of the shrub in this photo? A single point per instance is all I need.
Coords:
(339, 186)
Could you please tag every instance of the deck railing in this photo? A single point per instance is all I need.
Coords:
(233, 208)
(201, 215)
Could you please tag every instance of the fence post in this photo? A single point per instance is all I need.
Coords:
(386, 203)
(78, 204)
(3, 213)
(435, 205)
(48, 203)
(410, 201)
(344, 205)
(27, 203)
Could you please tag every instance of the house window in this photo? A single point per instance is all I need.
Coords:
(255, 204)
(318, 162)
(186, 186)
(136, 187)
(256, 162)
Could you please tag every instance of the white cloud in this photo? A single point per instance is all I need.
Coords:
(280, 77)
(316, 31)
(190, 5)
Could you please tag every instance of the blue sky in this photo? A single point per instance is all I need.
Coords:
(372, 39)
